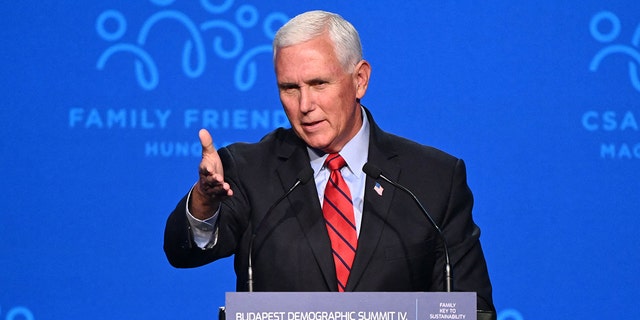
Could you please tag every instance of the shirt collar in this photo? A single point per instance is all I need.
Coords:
(355, 152)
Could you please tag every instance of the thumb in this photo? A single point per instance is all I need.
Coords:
(206, 141)
(211, 163)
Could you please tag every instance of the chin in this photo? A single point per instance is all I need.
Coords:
(319, 142)
(319, 146)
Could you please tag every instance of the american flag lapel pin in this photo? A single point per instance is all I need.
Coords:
(378, 188)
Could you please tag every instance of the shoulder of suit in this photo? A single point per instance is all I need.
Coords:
(410, 148)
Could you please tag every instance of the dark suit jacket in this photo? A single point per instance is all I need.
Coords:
(398, 249)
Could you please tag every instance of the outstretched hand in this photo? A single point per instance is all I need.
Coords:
(211, 188)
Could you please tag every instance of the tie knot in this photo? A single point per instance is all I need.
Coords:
(334, 162)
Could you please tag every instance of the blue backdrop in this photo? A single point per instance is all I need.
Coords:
(102, 101)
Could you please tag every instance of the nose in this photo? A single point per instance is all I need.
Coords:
(305, 100)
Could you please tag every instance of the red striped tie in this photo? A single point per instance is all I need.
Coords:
(338, 215)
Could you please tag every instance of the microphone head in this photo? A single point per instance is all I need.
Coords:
(305, 175)
(371, 170)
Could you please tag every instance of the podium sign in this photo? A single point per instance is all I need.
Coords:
(350, 305)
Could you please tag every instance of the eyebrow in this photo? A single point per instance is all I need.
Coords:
(317, 81)
(288, 85)
(291, 85)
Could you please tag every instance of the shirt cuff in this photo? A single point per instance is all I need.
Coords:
(205, 232)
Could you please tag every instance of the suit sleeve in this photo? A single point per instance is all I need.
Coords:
(469, 268)
(179, 245)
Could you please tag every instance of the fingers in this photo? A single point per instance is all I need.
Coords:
(214, 186)
(208, 193)
(210, 190)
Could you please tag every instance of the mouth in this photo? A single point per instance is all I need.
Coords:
(312, 125)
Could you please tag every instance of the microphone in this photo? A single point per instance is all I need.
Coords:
(375, 173)
(303, 177)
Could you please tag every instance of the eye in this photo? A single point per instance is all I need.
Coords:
(319, 83)
(288, 88)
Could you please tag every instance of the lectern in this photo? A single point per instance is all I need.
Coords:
(352, 306)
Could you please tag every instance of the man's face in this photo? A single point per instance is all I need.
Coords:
(318, 95)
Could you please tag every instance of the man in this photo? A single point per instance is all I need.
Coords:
(384, 242)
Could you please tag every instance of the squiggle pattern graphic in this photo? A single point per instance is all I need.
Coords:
(510, 314)
(194, 57)
(608, 37)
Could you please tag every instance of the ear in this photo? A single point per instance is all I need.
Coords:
(361, 74)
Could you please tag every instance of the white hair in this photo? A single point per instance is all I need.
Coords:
(311, 24)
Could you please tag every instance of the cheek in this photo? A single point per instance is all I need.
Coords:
(292, 113)
(288, 104)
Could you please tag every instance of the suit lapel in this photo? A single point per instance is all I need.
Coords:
(305, 204)
(376, 206)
